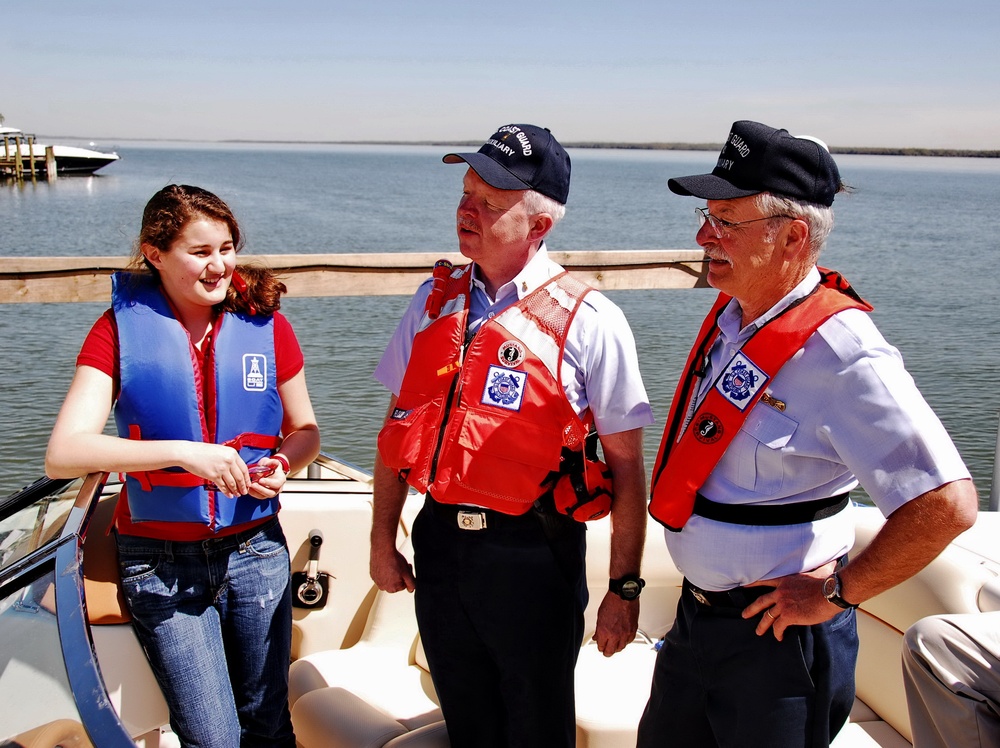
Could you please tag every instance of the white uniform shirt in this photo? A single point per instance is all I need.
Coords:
(853, 413)
(600, 369)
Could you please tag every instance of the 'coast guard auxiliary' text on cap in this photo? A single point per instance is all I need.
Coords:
(521, 157)
(757, 158)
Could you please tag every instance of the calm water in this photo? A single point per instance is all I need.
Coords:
(916, 238)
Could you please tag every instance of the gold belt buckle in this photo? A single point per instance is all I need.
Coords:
(472, 520)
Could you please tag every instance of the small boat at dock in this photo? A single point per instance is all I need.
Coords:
(33, 155)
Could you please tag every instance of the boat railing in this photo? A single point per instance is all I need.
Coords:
(73, 279)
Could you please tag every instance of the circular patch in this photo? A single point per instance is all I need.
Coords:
(707, 428)
(511, 353)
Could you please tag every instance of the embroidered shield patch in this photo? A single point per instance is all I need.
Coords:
(504, 388)
(740, 381)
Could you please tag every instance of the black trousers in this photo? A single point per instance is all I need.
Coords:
(716, 684)
(500, 612)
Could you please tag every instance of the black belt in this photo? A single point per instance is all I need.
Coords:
(738, 597)
(770, 515)
(477, 518)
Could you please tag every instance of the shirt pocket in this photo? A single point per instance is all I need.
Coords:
(754, 459)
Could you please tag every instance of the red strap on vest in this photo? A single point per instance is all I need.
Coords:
(183, 479)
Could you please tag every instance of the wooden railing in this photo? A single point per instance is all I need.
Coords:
(72, 279)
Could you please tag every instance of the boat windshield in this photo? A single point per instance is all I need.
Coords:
(34, 516)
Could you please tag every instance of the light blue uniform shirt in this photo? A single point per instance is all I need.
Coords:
(600, 370)
(853, 413)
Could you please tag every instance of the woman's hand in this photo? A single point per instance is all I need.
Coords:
(219, 464)
(267, 478)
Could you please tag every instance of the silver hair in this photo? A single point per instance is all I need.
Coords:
(818, 217)
(536, 202)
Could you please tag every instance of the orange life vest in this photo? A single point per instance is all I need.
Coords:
(485, 421)
(686, 458)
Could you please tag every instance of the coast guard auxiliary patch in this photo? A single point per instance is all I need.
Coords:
(254, 372)
(504, 388)
(740, 381)
(707, 428)
(511, 353)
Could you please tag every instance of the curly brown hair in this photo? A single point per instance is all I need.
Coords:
(174, 207)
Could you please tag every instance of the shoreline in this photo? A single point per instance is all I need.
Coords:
(609, 145)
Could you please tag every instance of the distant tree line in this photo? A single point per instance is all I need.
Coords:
(651, 147)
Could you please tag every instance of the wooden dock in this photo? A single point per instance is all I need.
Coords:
(14, 164)
(73, 279)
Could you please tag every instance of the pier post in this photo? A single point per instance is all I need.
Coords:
(50, 162)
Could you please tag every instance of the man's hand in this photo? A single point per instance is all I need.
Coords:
(390, 570)
(617, 621)
(797, 600)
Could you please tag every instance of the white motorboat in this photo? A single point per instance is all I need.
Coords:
(69, 159)
(72, 672)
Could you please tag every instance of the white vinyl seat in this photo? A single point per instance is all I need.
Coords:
(376, 690)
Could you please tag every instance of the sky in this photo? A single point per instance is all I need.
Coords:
(855, 73)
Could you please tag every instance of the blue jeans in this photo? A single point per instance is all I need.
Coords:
(215, 620)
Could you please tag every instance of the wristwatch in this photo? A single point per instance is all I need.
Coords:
(831, 591)
(627, 587)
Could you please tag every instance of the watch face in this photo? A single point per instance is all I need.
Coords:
(631, 589)
(831, 586)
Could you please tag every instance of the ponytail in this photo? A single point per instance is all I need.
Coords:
(254, 289)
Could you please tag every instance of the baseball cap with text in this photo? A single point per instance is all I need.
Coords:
(757, 158)
(521, 157)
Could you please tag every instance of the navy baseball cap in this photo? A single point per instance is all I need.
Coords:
(757, 158)
(521, 157)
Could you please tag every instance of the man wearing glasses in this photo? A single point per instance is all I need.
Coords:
(790, 399)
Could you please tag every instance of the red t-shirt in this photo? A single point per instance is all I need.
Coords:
(100, 350)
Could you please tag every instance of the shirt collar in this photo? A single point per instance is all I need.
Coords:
(729, 321)
(536, 273)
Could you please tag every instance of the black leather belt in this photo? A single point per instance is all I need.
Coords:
(477, 518)
(738, 597)
(770, 515)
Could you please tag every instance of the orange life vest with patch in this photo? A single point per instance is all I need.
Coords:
(687, 456)
(485, 421)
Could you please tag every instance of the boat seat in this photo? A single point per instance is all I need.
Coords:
(131, 686)
(55, 734)
(381, 683)
(387, 671)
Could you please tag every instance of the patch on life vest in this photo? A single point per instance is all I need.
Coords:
(504, 388)
(511, 354)
(254, 372)
(398, 414)
(707, 428)
(740, 381)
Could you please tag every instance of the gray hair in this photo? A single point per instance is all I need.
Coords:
(536, 202)
(818, 217)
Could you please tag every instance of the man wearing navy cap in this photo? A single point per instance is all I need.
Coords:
(790, 399)
(504, 373)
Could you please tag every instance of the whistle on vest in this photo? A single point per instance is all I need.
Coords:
(442, 269)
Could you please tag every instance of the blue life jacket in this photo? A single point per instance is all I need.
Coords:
(163, 397)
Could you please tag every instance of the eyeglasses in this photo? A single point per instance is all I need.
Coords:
(721, 227)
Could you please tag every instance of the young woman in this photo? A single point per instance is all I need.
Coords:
(212, 413)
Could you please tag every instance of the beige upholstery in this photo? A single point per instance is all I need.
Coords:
(336, 718)
(381, 668)
(386, 668)
(61, 733)
(950, 583)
